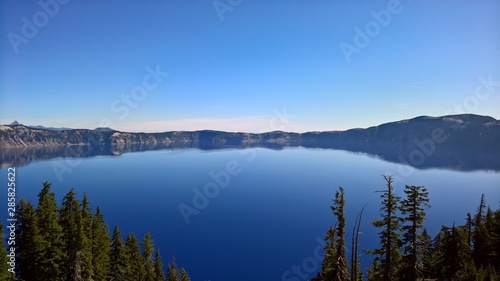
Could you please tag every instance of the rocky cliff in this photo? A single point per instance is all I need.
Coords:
(433, 140)
(465, 130)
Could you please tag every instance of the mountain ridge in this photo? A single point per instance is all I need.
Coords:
(15, 123)
(461, 117)
(475, 127)
(465, 142)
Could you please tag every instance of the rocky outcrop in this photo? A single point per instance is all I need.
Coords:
(21, 136)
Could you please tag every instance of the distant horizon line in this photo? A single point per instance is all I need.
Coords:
(52, 128)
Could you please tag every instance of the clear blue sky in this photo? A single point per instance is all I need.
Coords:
(235, 69)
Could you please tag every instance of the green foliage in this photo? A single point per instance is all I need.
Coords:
(86, 236)
(340, 270)
(4, 266)
(468, 252)
(184, 275)
(118, 259)
(147, 247)
(158, 266)
(173, 271)
(426, 254)
(328, 266)
(135, 264)
(28, 243)
(413, 210)
(488, 273)
(52, 256)
(481, 238)
(74, 241)
(71, 243)
(100, 242)
(453, 257)
(495, 236)
(468, 228)
(334, 265)
(388, 257)
(335, 260)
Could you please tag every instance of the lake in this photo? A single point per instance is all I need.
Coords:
(249, 214)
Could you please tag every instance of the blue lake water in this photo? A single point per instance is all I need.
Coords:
(261, 212)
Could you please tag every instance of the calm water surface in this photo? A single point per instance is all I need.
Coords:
(268, 217)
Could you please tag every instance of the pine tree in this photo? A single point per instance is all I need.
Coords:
(328, 265)
(117, 255)
(487, 274)
(86, 228)
(172, 271)
(480, 237)
(413, 209)
(100, 247)
(147, 248)
(340, 269)
(4, 260)
(158, 266)
(489, 219)
(70, 219)
(28, 243)
(479, 217)
(52, 256)
(134, 260)
(375, 271)
(468, 226)
(453, 255)
(427, 254)
(334, 265)
(490, 237)
(387, 261)
(184, 275)
(495, 243)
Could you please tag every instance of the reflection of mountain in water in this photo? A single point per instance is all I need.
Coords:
(454, 158)
(459, 142)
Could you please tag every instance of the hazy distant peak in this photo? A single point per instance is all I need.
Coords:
(104, 129)
(49, 128)
(15, 123)
(469, 118)
(457, 118)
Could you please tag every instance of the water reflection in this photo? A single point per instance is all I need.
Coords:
(441, 156)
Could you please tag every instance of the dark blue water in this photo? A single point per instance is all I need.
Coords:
(263, 216)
